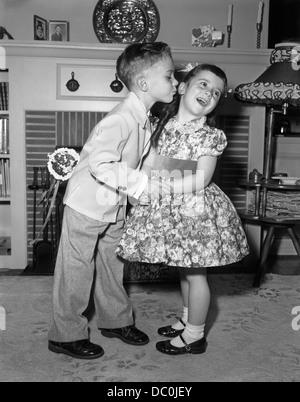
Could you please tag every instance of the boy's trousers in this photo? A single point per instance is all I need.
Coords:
(87, 262)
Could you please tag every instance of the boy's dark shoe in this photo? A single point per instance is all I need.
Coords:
(130, 335)
(79, 349)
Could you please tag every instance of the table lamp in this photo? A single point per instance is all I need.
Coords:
(277, 88)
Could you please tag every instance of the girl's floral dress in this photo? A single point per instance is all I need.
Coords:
(194, 230)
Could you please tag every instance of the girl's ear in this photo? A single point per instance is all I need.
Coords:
(181, 88)
(142, 83)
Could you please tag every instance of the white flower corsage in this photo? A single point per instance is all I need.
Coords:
(61, 165)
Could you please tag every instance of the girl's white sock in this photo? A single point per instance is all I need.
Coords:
(178, 325)
(191, 334)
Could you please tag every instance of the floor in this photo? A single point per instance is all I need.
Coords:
(252, 335)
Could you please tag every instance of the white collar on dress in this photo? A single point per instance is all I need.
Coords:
(197, 122)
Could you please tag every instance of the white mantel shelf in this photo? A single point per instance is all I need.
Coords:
(71, 50)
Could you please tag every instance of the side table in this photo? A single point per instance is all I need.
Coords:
(260, 216)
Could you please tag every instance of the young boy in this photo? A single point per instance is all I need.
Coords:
(95, 210)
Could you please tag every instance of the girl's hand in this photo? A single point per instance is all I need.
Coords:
(144, 200)
(156, 189)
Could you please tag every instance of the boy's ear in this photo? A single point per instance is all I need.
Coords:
(142, 83)
(181, 88)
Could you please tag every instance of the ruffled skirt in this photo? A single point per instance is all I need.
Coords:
(196, 230)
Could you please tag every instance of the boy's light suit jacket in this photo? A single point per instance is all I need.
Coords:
(108, 172)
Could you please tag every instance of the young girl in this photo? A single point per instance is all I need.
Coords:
(196, 226)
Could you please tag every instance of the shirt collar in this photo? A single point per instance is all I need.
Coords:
(138, 109)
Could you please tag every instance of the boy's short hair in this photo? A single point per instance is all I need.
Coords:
(138, 57)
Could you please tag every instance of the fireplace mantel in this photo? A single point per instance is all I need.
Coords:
(97, 52)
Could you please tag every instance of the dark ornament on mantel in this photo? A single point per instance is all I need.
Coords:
(72, 84)
(3, 32)
(116, 85)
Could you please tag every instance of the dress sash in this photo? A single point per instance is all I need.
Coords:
(173, 168)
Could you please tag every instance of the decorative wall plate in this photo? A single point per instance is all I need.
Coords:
(126, 21)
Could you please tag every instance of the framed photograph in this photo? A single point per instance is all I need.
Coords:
(40, 28)
(59, 31)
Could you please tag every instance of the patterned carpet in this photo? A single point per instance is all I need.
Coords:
(250, 335)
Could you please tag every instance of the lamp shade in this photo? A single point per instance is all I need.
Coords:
(280, 83)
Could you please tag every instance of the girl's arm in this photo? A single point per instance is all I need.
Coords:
(196, 182)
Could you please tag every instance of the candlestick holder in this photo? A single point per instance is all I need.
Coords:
(229, 32)
(259, 28)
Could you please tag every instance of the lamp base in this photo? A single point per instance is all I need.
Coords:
(270, 139)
